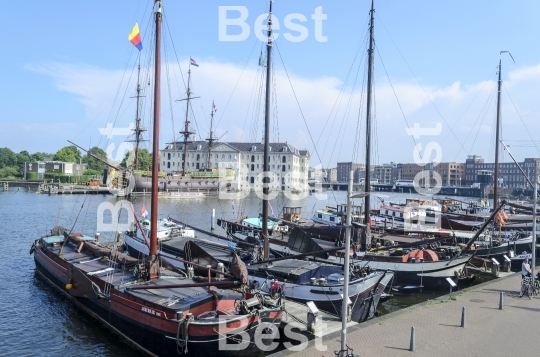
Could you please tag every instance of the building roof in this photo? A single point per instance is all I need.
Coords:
(237, 146)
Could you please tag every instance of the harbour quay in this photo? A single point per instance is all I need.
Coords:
(471, 322)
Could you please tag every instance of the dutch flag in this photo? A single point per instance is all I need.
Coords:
(193, 63)
(144, 212)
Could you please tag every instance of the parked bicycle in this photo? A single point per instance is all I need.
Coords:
(527, 287)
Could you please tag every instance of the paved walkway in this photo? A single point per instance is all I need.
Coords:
(489, 331)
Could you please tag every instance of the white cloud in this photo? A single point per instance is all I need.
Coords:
(97, 88)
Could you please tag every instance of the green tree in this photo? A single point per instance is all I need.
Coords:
(92, 173)
(41, 156)
(94, 164)
(9, 171)
(68, 154)
(22, 157)
(7, 158)
(145, 160)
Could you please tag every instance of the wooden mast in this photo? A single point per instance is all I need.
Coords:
(138, 130)
(211, 139)
(498, 129)
(266, 166)
(187, 133)
(153, 266)
(367, 180)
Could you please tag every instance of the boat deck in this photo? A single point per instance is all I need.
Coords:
(110, 272)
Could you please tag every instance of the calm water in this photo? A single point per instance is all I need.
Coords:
(37, 320)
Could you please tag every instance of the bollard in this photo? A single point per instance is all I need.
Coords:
(412, 340)
(221, 268)
(501, 300)
(463, 317)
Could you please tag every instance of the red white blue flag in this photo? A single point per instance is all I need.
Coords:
(144, 212)
(193, 63)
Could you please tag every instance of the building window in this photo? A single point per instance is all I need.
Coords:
(252, 179)
(252, 167)
(284, 159)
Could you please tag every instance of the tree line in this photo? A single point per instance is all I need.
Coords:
(12, 163)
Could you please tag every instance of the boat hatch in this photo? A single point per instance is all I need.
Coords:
(86, 238)
(54, 240)
(336, 277)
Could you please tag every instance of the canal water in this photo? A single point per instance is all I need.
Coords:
(36, 318)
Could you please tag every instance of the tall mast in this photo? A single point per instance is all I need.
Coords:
(367, 180)
(266, 167)
(211, 139)
(186, 133)
(155, 154)
(498, 129)
(138, 129)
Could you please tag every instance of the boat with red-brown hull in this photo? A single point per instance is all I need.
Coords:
(155, 315)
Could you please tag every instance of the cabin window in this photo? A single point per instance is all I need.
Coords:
(319, 215)
(332, 219)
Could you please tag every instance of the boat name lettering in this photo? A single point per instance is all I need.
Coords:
(150, 311)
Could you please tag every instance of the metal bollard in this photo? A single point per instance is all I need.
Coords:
(463, 317)
(412, 340)
(501, 299)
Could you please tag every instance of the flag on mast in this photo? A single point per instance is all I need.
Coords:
(144, 212)
(193, 63)
(135, 37)
(214, 107)
(271, 209)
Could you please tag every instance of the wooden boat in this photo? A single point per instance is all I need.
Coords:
(427, 269)
(301, 280)
(162, 312)
(168, 316)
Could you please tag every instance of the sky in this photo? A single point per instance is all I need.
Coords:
(68, 69)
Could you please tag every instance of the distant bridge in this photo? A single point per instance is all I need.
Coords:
(449, 190)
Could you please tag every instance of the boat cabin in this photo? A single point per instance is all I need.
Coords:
(292, 214)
